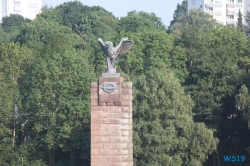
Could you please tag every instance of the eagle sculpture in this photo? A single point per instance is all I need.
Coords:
(113, 52)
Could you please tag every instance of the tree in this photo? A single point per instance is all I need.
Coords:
(56, 94)
(195, 18)
(214, 75)
(11, 26)
(179, 14)
(13, 21)
(139, 21)
(151, 49)
(6, 37)
(164, 131)
(240, 23)
(242, 103)
(42, 32)
(12, 63)
(50, 14)
(212, 60)
(88, 22)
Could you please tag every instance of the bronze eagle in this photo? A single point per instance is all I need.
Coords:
(113, 52)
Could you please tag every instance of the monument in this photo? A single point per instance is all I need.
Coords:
(111, 112)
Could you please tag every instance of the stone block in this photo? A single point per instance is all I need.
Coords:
(94, 85)
(109, 98)
(118, 103)
(126, 85)
(96, 121)
(126, 103)
(127, 97)
(94, 103)
(127, 91)
(113, 115)
(117, 158)
(110, 75)
(94, 152)
(125, 115)
(94, 92)
(117, 80)
(102, 104)
(96, 145)
(110, 104)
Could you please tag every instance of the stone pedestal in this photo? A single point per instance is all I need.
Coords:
(111, 122)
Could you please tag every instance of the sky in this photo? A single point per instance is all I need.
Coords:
(162, 8)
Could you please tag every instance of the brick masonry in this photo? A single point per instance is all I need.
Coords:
(111, 123)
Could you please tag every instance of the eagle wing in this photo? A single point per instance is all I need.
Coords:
(103, 46)
(124, 46)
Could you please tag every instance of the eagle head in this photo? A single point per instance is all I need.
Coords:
(109, 43)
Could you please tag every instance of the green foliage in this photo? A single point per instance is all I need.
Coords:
(4, 36)
(179, 59)
(87, 21)
(242, 102)
(179, 14)
(212, 59)
(198, 18)
(43, 32)
(56, 94)
(14, 21)
(140, 21)
(195, 18)
(240, 22)
(215, 59)
(12, 60)
(247, 21)
(50, 14)
(151, 49)
(164, 131)
(10, 27)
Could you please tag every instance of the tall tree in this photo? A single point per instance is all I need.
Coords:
(247, 26)
(11, 26)
(242, 103)
(195, 18)
(240, 22)
(179, 14)
(151, 49)
(13, 21)
(214, 77)
(56, 94)
(164, 131)
(12, 60)
(139, 21)
(88, 22)
(41, 32)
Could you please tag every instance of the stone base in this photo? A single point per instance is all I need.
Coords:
(110, 74)
(111, 123)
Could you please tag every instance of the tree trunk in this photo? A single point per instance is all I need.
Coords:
(218, 157)
(53, 157)
(214, 158)
(71, 154)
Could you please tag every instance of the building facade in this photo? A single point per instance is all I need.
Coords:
(26, 8)
(224, 11)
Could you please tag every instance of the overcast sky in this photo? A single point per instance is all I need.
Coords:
(162, 8)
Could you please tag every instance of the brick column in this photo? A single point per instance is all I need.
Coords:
(111, 122)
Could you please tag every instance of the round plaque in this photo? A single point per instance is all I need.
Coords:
(109, 87)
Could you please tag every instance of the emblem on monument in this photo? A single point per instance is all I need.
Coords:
(109, 87)
(113, 52)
